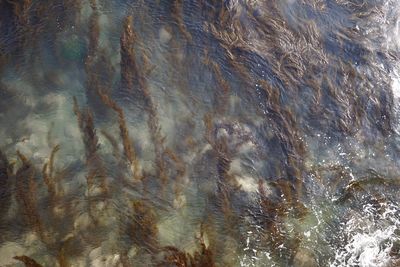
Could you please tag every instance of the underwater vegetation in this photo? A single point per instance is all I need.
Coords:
(199, 133)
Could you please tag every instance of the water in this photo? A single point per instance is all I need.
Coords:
(199, 133)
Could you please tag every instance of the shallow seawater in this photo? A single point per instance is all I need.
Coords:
(199, 133)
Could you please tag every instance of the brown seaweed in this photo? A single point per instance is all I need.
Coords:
(94, 32)
(200, 258)
(132, 77)
(226, 183)
(284, 123)
(295, 58)
(48, 173)
(90, 140)
(273, 214)
(158, 142)
(221, 93)
(288, 134)
(142, 229)
(5, 185)
(22, 11)
(129, 68)
(29, 27)
(96, 175)
(360, 185)
(62, 258)
(26, 195)
(129, 150)
(29, 262)
(86, 123)
(177, 13)
(180, 169)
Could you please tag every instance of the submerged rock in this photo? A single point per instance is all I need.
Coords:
(8, 251)
(304, 258)
(164, 35)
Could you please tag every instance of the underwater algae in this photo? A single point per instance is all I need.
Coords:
(199, 133)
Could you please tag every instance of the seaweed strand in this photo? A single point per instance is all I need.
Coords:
(5, 189)
(129, 150)
(29, 262)
(26, 195)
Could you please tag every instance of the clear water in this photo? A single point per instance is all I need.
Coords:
(199, 133)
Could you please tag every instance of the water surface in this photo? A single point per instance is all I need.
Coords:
(199, 133)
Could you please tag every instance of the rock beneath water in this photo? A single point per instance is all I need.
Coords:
(164, 35)
(8, 251)
(304, 258)
(82, 222)
(98, 258)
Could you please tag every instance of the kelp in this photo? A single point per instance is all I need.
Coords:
(180, 170)
(29, 22)
(54, 151)
(225, 209)
(22, 11)
(333, 176)
(361, 185)
(21, 18)
(142, 229)
(5, 185)
(345, 185)
(288, 192)
(288, 134)
(132, 77)
(227, 186)
(93, 45)
(294, 63)
(222, 91)
(27, 198)
(29, 262)
(129, 67)
(62, 258)
(271, 219)
(224, 160)
(3, 61)
(176, 257)
(224, 179)
(26, 195)
(177, 14)
(129, 149)
(201, 257)
(95, 166)
(144, 233)
(96, 175)
(71, 12)
(48, 174)
(283, 122)
(98, 68)
(295, 74)
(94, 32)
(272, 212)
(158, 141)
(85, 123)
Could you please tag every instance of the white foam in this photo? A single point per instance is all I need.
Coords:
(370, 239)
